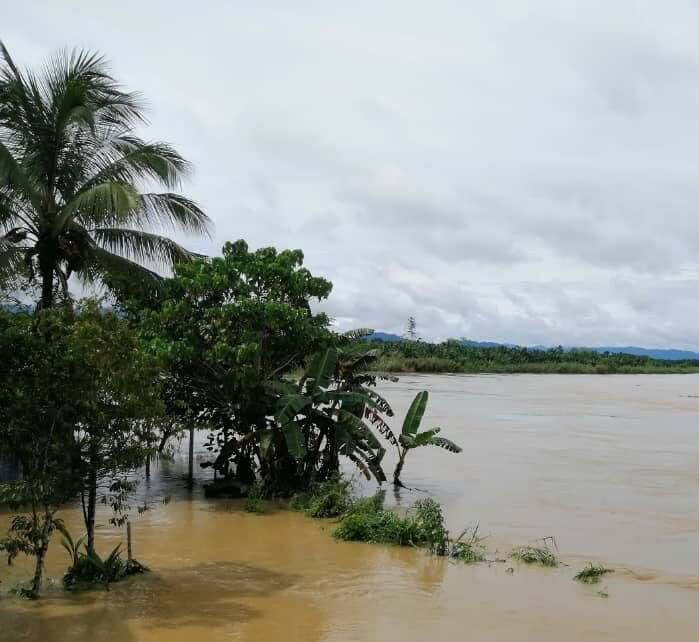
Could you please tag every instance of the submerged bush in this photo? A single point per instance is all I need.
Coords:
(534, 555)
(88, 569)
(330, 498)
(378, 527)
(253, 500)
(429, 522)
(468, 547)
(591, 574)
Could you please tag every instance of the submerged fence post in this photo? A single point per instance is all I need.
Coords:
(190, 477)
(128, 543)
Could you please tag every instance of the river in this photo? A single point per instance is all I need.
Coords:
(607, 465)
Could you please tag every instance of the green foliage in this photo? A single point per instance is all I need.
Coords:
(541, 555)
(380, 526)
(453, 356)
(229, 331)
(411, 438)
(430, 524)
(468, 547)
(592, 574)
(330, 498)
(254, 500)
(74, 178)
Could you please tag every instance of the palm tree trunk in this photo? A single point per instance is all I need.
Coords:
(46, 268)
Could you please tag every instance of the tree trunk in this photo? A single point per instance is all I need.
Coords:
(40, 553)
(190, 474)
(399, 469)
(46, 269)
(92, 497)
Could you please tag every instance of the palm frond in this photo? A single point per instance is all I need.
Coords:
(102, 265)
(142, 246)
(14, 178)
(175, 211)
(108, 203)
(127, 158)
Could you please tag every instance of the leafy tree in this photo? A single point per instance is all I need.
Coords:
(411, 330)
(37, 419)
(227, 329)
(74, 175)
(410, 437)
(117, 398)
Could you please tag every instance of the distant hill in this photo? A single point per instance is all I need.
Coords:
(384, 336)
(669, 354)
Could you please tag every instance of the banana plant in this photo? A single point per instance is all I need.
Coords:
(410, 437)
(320, 422)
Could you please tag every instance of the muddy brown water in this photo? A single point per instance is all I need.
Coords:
(609, 466)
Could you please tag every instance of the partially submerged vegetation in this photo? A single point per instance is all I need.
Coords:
(454, 356)
(592, 573)
(541, 555)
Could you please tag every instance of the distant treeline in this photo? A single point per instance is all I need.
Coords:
(453, 356)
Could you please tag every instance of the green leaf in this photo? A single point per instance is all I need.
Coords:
(294, 440)
(266, 438)
(413, 418)
(289, 406)
(423, 438)
(322, 367)
(447, 444)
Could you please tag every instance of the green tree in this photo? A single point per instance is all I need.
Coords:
(37, 420)
(410, 437)
(117, 401)
(74, 175)
(227, 329)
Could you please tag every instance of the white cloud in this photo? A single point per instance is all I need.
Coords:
(513, 171)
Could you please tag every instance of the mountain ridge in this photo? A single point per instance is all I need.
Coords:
(666, 354)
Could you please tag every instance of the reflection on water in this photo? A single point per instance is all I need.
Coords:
(608, 465)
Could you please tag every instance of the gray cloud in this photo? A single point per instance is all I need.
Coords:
(513, 171)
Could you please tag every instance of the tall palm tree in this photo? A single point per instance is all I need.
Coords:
(74, 179)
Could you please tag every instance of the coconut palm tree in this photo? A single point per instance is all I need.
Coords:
(75, 179)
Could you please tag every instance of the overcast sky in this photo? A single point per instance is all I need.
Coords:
(514, 171)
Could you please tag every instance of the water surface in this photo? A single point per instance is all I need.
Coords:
(609, 466)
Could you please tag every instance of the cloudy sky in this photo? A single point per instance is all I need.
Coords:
(504, 170)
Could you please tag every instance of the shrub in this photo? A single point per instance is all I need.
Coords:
(591, 574)
(330, 498)
(90, 569)
(379, 527)
(429, 523)
(372, 504)
(534, 555)
(468, 547)
(253, 500)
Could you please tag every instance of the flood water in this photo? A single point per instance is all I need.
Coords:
(608, 465)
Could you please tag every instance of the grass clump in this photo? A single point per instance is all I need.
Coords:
(541, 555)
(254, 499)
(330, 498)
(592, 574)
(468, 547)
(366, 520)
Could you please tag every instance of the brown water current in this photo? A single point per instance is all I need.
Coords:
(608, 465)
